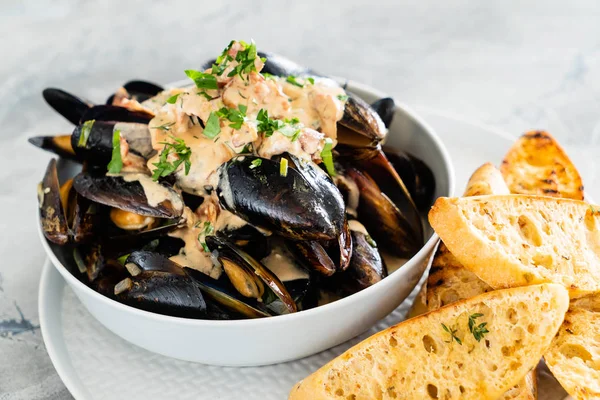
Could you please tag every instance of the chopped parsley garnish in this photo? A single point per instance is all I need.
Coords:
(256, 163)
(205, 95)
(292, 129)
(342, 97)
(213, 126)
(86, 128)
(123, 258)
(283, 167)
(327, 157)
(202, 80)
(116, 163)
(165, 167)
(480, 330)
(236, 117)
(452, 332)
(173, 99)
(207, 230)
(164, 127)
(311, 80)
(244, 57)
(267, 125)
(293, 80)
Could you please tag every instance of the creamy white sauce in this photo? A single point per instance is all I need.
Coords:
(154, 191)
(282, 264)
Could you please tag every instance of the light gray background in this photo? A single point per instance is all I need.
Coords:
(513, 65)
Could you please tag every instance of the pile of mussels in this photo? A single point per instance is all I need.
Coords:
(132, 265)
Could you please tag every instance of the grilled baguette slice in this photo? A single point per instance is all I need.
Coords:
(574, 356)
(516, 240)
(420, 358)
(449, 281)
(537, 164)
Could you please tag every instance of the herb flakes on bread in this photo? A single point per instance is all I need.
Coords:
(443, 355)
(537, 164)
(516, 240)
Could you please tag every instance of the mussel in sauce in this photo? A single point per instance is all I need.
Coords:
(260, 189)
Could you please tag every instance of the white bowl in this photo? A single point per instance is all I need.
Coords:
(287, 337)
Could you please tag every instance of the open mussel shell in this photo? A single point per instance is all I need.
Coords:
(222, 292)
(373, 161)
(59, 145)
(279, 65)
(385, 108)
(416, 175)
(262, 196)
(69, 106)
(382, 218)
(242, 269)
(137, 90)
(114, 191)
(52, 216)
(93, 140)
(249, 239)
(360, 124)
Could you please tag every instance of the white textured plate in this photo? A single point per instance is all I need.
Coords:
(96, 364)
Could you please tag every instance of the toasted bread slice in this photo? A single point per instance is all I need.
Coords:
(537, 164)
(574, 356)
(517, 240)
(590, 303)
(449, 281)
(437, 356)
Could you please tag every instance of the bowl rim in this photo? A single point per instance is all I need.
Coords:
(305, 314)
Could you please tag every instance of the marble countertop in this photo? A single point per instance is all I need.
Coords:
(531, 66)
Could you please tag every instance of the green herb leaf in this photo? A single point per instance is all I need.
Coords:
(267, 125)
(86, 128)
(327, 157)
(452, 331)
(122, 259)
(173, 99)
(480, 330)
(311, 80)
(202, 80)
(165, 167)
(256, 163)
(245, 58)
(342, 97)
(116, 163)
(293, 80)
(283, 167)
(236, 117)
(213, 126)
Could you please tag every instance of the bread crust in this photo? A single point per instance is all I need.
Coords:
(537, 164)
(419, 359)
(517, 240)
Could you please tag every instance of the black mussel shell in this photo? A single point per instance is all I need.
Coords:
(69, 106)
(416, 175)
(229, 252)
(385, 107)
(312, 254)
(115, 113)
(93, 140)
(222, 292)
(114, 191)
(139, 90)
(52, 215)
(265, 198)
(59, 145)
(279, 65)
(382, 218)
(366, 266)
(360, 124)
